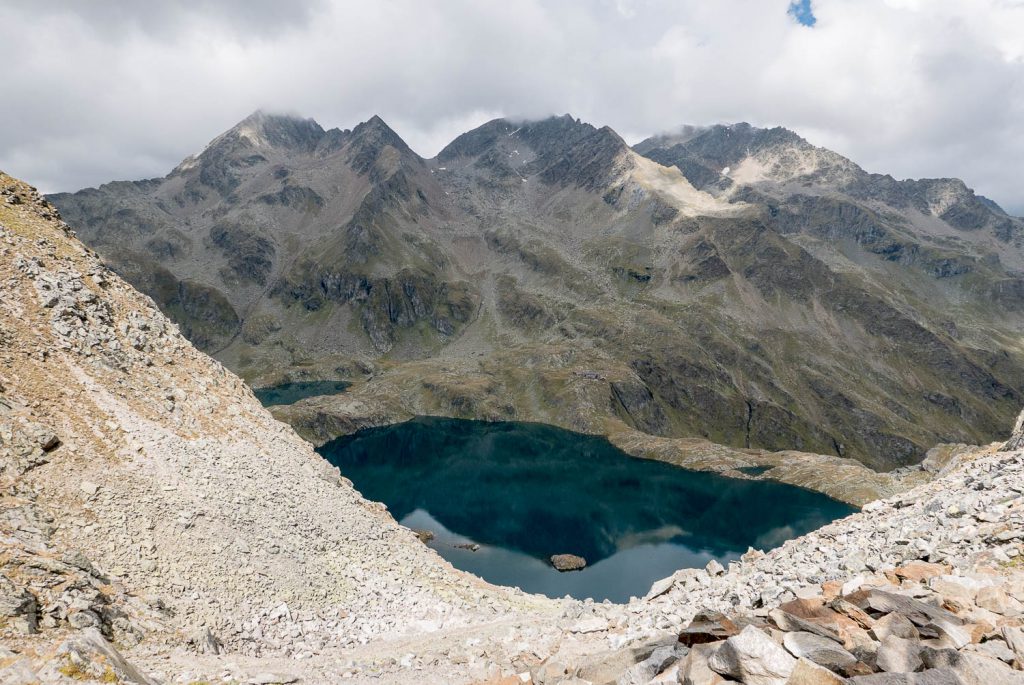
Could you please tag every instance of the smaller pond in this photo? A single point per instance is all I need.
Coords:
(524, 491)
(290, 393)
(754, 470)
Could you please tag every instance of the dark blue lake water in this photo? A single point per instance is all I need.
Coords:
(525, 491)
(290, 393)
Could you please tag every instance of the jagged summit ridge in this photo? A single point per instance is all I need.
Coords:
(730, 281)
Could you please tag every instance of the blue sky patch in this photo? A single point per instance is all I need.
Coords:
(801, 11)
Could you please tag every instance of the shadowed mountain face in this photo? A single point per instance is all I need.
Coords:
(731, 283)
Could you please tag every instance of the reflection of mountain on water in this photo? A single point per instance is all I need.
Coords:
(651, 537)
(626, 573)
(542, 490)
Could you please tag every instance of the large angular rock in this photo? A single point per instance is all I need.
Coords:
(809, 673)
(91, 654)
(708, 626)
(920, 571)
(996, 600)
(696, 669)
(898, 655)
(1015, 641)
(645, 671)
(894, 624)
(820, 650)
(810, 616)
(919, 613)
(972, 668)
(934, 676)
(19, 605)
(753, 658)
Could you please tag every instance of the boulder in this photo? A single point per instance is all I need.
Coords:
(93, 658)
(934, 676)
(708, 626)
(894, 624)
(753, 658)
(898, 655)
(18, 604)
(645, 671)
(920, 571)
(972, 668)
(820, 650)
(996, 600)
(568, 562)
(807, 616)
(809, 673)
(205, 642)
(696, 670)
(660, 587)
(1015, 641)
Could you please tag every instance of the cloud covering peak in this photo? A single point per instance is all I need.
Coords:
(119, 89)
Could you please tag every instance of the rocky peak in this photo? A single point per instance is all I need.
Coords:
(250, 142)
(261, 130)
(478, 141)
(561, 149)
(370, 140)
(721, 145)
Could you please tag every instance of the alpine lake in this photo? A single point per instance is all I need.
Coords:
(499, 499)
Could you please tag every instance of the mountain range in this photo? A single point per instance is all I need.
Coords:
(729, 283)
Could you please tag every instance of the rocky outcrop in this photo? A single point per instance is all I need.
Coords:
(1016, 440)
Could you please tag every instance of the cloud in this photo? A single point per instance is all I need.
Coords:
(111, 90)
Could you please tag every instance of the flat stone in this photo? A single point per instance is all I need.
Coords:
(660, 587)
(593, 624)
(753, 658)
(920, 571)
(271, 679)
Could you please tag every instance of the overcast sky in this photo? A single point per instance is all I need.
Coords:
(120, 89)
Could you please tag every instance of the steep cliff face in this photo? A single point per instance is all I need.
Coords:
(733, 284)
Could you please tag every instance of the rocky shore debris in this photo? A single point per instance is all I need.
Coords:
(424, 536)
(471, 546)
(568, 562)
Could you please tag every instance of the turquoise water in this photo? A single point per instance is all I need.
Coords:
(525, 491)
(290, 393)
